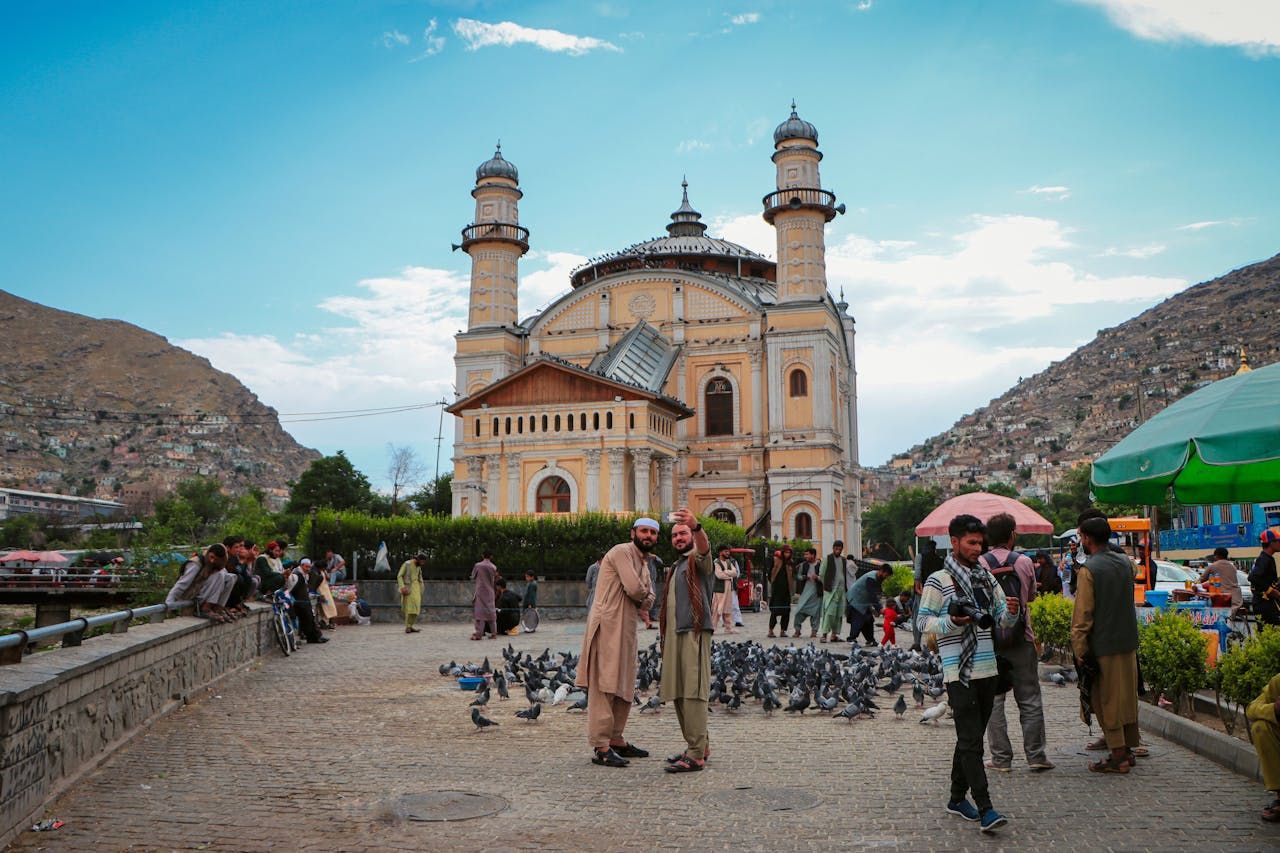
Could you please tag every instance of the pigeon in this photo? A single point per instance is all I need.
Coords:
(652, 705)
(482, 699)
(482, 722)
(561, 692)
(1058, 679)
(798, 702)
(933, 714)
(853, 709)
(917, 693)
(445, 667)
(900, 707)
(580, 705)
(530, 714)
(500, 681)
(734, 704)
(770, 704)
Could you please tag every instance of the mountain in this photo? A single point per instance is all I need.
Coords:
(1077, 408)
(104, 408)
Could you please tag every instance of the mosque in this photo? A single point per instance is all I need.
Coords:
(684, 370)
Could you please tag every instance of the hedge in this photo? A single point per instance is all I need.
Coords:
(556, 547)
(1244, 671)
(1173, 655)
(1050, 616)
(903, 579)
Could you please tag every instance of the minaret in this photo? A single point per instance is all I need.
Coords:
(495, 241)
(800, 210)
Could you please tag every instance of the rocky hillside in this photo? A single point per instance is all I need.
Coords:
(1079, 407)
(104, 408)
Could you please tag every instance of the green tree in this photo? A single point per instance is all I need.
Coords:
(435, 498)
(995, 487)
(250, 518)
(21, 531)
(175, 520)
(894, 521)
(205, 497)
(333, 482)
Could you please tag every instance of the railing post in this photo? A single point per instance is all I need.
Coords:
(71, 639)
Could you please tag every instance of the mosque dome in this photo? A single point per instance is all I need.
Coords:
(795, 128)
(498, 167)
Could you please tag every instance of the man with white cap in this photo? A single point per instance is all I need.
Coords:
(607, 666)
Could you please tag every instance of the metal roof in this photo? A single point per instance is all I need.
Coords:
(641, 357)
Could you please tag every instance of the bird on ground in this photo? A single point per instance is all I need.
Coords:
(652, 705)
(482, 699)
(558, 697)
(1058, 679)
(500, 681)
(445, 667)
(580, 705)
(799, 701)
(917, 693)
(482, 722)
(530, 714)
(934, 714)
(900, 707)
(853, 709)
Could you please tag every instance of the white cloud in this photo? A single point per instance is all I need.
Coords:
(540, 287)
(744, 18)
(862, 5)
(1148, 251)
(746, 229)
(688, 146)
(394, 38)
(434, 43)
(1055, 193)
(478, 34)
(1251, 25)
(1234, 222)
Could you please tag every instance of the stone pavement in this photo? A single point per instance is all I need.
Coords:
(313, 752)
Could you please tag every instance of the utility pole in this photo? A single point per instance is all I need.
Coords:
(439, 439)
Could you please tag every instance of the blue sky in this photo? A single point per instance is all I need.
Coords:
(276, 185)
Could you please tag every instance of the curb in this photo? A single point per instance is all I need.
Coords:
(1221, 749)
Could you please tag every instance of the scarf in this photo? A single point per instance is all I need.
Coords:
(969, 640)
(696, 603)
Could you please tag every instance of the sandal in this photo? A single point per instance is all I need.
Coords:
(1271, 814)
(1110, 765)
(685, 764)
(1141, 752)
(1097, 745)
(609, 758)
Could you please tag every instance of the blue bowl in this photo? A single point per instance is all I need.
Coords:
(1157, 597)
(471, 682)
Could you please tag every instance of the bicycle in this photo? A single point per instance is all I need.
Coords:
(282, 622)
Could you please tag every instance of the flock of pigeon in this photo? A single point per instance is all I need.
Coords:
(793, 679)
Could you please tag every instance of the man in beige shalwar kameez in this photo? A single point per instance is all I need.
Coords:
(607, 666)
(687, 625)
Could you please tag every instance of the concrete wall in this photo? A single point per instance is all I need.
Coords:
(450, 601)
(63, 711)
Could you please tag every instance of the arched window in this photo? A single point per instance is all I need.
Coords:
(495, 426)
(719, 407)
(725, 515)
(544, 423)
(553, 495)
(803, 525)
(608, 420)
(508, 426)
(520, 425)
(582, 421)
(557, 423)
(631, 420)
(569, 421)
(533, 423)
(595, 421)
(799, 383)
(477, 427)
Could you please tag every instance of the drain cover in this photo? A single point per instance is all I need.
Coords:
(746, 799)
(447, 805)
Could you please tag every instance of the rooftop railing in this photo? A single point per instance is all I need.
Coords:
(501, 231)
(798, 198)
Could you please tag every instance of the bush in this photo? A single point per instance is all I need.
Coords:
(1051, 620)
(903, 579)
(1244, 671)
(1172, 652)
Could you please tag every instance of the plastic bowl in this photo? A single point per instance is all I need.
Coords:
(1157, 597)
(471, 682)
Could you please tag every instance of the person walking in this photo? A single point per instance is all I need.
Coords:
(685, 626)
(834, 587)
(809, 605)
(1104, 636)
(484, 601)
(726, 577)
(608, 662)
(409, 580)
(1017, 645)
(968, 660)
(782, 586)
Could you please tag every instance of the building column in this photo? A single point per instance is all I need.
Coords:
(475, 482)
(493, 497)
(757, 400)
(617, 457)
(593, 478)
(666, 465)
(515, 503)
(643, 460)
(682, 426)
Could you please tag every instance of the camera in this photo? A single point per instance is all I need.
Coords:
(965, 607)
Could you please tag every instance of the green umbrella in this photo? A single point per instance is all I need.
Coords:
(1220, 444)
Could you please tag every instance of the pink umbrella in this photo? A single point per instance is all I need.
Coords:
(21, 557)
(49, 557)
(984, 505)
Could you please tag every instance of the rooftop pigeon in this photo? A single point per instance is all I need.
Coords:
(482, 722)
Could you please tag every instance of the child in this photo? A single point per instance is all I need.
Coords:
(890, 616)
(903, 607)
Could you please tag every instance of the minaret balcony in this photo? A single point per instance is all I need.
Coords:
(801, 198)
(495, 232)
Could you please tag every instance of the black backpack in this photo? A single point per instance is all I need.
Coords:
(1011, 584)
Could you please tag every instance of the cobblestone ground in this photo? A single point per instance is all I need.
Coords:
(312, 751)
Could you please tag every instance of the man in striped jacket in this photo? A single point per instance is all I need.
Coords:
(968, 660)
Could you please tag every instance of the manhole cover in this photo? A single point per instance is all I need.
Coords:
(447, 805)
(747, 799)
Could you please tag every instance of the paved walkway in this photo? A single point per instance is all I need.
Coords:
(312, 751)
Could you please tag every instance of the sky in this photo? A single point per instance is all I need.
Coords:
(276, 186)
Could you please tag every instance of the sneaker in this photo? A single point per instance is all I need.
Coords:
(1041, 766)
(964, 809)
(1003, 768)
(992, 820)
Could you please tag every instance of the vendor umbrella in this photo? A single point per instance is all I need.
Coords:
(1220, 444)
(984, 505)
(20, 557)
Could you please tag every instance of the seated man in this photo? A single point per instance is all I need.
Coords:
(1262, 715)
(193, 587)
(508, 608)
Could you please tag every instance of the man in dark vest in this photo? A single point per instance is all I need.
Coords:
(1104, 634)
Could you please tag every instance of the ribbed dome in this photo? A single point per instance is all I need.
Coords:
(795, 128)
(498, 167)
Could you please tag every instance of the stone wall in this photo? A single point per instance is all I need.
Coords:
(63, 711)
(450, 601)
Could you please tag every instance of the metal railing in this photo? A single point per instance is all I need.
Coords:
(503, 231)
(796, 198)
(14, 646)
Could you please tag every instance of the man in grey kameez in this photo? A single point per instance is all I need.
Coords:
(686, 627)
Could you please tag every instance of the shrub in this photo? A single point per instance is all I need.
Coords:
(1173, 654)
(1244, 671)
(1051, 621)
(903, 579)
